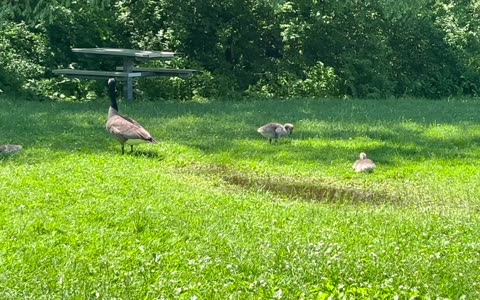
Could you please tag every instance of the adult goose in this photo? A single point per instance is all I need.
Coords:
(363, 164)
(273, 131)
(124, 129)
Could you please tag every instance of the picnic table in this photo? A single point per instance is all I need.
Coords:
(128, 72)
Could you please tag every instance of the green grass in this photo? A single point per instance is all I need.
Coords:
(215, 212)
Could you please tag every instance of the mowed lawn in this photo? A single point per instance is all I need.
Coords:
(215, 212)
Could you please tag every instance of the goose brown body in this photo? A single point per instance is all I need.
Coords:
(125, 130)
(273, 131)
(364, 164)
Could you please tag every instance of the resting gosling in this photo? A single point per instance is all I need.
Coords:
(273, 131)
(10, 149)
(364, 164)
(125, 130)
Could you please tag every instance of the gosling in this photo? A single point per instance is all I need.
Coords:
(10, 149)
(364, 164)
(273, 131)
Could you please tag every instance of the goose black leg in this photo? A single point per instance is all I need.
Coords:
(123, 149)
(131, 148)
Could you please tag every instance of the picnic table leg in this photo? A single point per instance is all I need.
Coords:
(128, 88)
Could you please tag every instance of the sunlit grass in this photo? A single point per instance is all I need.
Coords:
(216, 212)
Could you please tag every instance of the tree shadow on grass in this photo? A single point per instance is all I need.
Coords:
(326, 130)
(49, 130)
(257, 113)
(384, 146)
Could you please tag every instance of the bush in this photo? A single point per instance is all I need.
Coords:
(316, 81)
(308, 48)
(24, 54)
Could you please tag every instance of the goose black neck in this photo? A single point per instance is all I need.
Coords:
(112, 92)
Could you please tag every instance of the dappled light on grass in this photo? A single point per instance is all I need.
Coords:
(214, 211)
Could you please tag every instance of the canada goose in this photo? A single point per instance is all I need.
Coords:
(364, 164)
(273, 131)
(10, 149)
(125, 130)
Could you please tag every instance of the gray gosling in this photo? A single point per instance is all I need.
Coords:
(10, 149)
(124, 129)
(364, 164)
(273, 131)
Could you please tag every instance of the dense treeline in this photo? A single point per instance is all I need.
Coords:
(260, 48)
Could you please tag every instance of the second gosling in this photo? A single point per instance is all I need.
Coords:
(273, 131)
(364, 164)
(10, 149)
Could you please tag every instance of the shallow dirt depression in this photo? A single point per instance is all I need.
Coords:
(306, 189)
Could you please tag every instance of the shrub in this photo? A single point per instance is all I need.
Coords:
(316, 81)
(23, 59)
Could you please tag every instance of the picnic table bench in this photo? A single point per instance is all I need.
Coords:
(128, 72)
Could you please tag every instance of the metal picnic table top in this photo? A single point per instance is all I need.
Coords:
(128, 53)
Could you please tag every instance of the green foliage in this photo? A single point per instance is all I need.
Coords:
(316, 81)
(23, 59)
(226, 38)
(364, 49)
(460, 23)
(35, 11)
